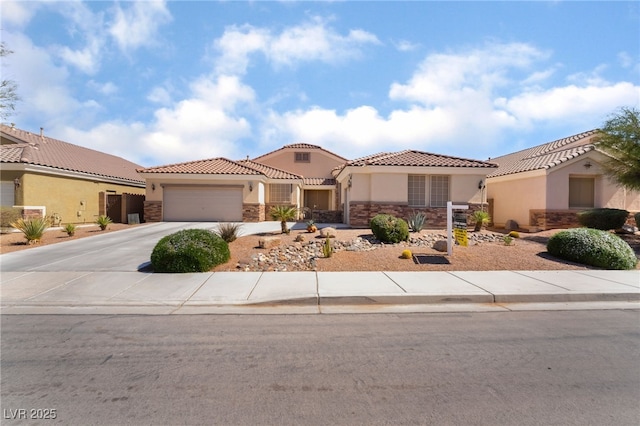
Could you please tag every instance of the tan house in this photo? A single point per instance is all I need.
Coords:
(400, 183)
(320, 184)
(545, 186)
(46, 177)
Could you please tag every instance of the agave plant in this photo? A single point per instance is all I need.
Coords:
(103, 221)
(32, 229)
(416, 221)
(481, 218)
(283, 214)
(70, 229)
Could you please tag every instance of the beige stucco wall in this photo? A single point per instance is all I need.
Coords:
(514, 198)
(320, 163)
(75, 200)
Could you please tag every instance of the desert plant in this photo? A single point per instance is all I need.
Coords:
(389, 229)
(103, 221)
(311, 226)
(70, 229)
(514, 234)
(604, 219)
(637, 218)
(416, 221)
(229, 231)
(32, 229)
(327, 249)
(189, 250)
(508, 240)
(406, 254)
(9, 215)
(283, 214)
(592, 247)
(481, 219)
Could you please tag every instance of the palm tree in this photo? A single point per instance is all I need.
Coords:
(283, 214)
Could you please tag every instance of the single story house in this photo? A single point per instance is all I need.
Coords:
(46, 177)
(400, 183)
(320, 184)
(545, 186)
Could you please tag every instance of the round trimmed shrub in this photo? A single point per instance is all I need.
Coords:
(389, 229)
(189, 250)
(604, 219)
(592, 247)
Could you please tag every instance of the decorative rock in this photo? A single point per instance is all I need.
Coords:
(299, 238)
(268, 242)
(440, 245)
(328, 232)
(511, 225)
(628, 229)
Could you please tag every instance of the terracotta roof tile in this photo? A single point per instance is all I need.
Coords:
(417, 159)
(544, 156)
(213, 166)
(270, 172)
(31, 148)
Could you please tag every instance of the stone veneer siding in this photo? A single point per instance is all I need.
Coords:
(560, 219)
(153, 211)
(253, 212)
(327, 216)
(361, 213)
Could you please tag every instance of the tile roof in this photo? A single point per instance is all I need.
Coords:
(417, 159)
(319, 181)
(31, 148)
(545, 156)
(300, 146)
(270, 172)
(214, 166)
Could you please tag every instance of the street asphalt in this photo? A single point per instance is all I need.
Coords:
(109, 274)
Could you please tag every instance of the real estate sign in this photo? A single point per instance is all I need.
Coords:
(460, 228)
(450, 208)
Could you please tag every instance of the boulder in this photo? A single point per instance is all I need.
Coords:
(328, 232)
(440, 245)
(268, 242)
(511, 225)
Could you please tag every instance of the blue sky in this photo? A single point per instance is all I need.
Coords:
(163, 82)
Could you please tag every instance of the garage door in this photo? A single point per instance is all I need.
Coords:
(202, 204)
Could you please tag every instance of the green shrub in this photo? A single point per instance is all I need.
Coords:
(32, 229)
(592, 247)
(103, 221)
(416, 221)
(481, 219)
(189, 250)
(229, 231)
(604, 219)
(70, 229)
(9, 215)
(389, 229)
(637, 218)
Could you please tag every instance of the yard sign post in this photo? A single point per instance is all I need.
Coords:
(450, 208)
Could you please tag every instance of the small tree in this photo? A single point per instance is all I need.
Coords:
(8, 89)
(283, 214)
(620, 138)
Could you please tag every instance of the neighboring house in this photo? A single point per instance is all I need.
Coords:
(219, 189)
(401, 183)
(46, 177)
(321, 185)
(545, 186)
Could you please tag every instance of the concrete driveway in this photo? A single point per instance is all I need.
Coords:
(127, 250)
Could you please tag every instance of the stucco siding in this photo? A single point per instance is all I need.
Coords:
(389, 187)
(513, 199)
(319, 165)
(74, 200)
(464, 188)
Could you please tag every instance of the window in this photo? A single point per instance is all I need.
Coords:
(302, 157)
(417, 191)
(581, 193)
(439, 191)
(280, 193)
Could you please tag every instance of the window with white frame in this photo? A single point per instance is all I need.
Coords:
(438, 191)
(417, 191)
(280, 193)
(581, 192)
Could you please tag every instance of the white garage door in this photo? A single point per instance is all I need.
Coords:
(202, 204)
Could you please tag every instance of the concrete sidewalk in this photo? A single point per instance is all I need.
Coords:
(122, 292)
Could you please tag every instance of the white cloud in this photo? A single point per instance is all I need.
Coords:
(107, 88)
(310, 41)
(406, 46)
(17, 13)
(138, 25)
(159, 95)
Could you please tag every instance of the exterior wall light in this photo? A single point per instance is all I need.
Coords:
(250, 186)
(153, 186)
(16, 183)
